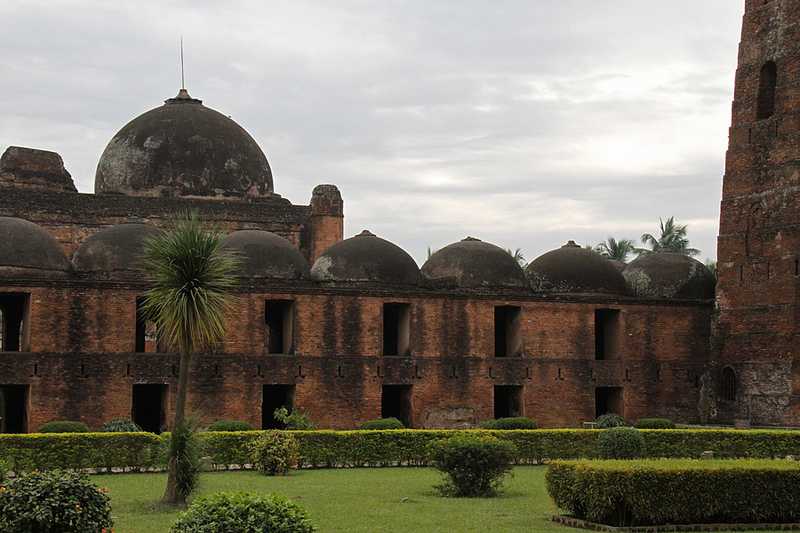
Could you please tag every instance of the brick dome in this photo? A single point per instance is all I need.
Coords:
(669, 275)
(572, 269)
(366, 258)
(473, 263)
(26, 247)
(266, 255)
(183, 149)
(113, 250)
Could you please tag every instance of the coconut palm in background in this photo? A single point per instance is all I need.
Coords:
(672, 238)
(518, 256)
(191, 278)
(618, 250)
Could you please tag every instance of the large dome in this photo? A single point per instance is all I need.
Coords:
(266, 255)
(474, 263)
(183, 149)
(670, 275)
(366, 258)
(114, 250)
(572, 269)
(24, 246)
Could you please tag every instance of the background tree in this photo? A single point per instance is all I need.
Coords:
(619, 250)
(518, 256)
(191, 278)
(672, 238)
(711, 265)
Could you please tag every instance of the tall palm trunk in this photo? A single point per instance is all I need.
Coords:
(171, 494)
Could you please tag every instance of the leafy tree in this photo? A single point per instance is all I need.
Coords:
(711, 265)
(518, 256)
(672, 238)
(619, 250)
(191, 277)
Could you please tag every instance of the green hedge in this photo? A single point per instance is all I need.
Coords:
(686, 491)
(375, 448)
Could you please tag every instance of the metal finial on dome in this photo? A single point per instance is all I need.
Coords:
(470, 239)
(183, 97)
(366, 233)
(571, 244)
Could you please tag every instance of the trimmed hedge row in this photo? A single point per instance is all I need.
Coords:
(374, 448)
(657, 492)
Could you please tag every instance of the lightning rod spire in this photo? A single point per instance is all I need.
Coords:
(183, 84)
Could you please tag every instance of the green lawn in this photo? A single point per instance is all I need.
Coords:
(353, 500)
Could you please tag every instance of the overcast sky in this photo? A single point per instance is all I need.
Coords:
(523, 123)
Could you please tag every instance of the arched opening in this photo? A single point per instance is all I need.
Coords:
(2, 330)
(728, 385)
(766, 90)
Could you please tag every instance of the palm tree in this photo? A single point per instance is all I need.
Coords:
(518, 256)
(191, 277)
(672, 239)
(617, 250)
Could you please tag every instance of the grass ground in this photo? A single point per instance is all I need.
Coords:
(353, 500)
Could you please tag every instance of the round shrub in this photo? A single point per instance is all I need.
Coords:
(655, 423)
(275, 453)
(120, 425)
(230, 425)
(473, 465)
(517, 422)
(243, 512)
(620, 443)
(64, 426)
(53, 501)
(609, 420)
(383, 423)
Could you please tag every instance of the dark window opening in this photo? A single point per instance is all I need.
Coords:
(766, 90)
(507, 338)
(148, 406)
(274, 397)
(606, 334)
(14, 408)
(797, 267)
(396, 329)
(147, 340)
(15, 309)
(396, 403)
(279, 318)
(507, 401)
(608, 400)
(728, 385)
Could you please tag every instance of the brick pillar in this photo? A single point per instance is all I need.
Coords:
(327, 219)
(759, 240)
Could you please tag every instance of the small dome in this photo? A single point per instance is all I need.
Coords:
(114, 249)
(474, 263)
(26, 246)
(572, 269)
(183, 149)
(266, 255)
(669, 275)
(366, 257)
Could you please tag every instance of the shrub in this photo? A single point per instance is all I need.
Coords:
(230, 425)
(184, 449)
(56, 501)
(243, 512)
(275, 453)
(655, 423)
(656, 492)
(64, 426)
(518, 422)
(620, 443)
(296, 420)
(383, 423)
(609, 420)
(474, 465)
(120, 425)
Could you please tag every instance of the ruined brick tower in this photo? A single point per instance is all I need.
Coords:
(758, 378)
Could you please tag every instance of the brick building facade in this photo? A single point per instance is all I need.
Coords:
(352, 329)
